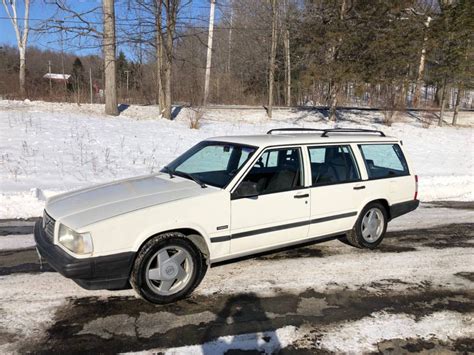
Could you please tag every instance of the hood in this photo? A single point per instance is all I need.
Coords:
(80, 208)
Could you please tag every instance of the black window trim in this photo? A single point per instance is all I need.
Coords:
(334, 183)
(383, 177)
(272, 148)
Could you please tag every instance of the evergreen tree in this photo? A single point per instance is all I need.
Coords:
(122, 68)
(77, 78)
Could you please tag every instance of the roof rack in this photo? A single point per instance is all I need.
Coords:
(325, 132)
(295, 130)
(351, 130)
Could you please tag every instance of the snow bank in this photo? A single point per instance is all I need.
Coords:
(48, 148)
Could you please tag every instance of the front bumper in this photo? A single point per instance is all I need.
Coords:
(104, 272)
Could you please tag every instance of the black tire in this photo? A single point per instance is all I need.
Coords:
(148, 250)
(355, 238)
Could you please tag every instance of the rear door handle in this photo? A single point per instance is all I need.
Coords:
(301, 196)
(359, 187)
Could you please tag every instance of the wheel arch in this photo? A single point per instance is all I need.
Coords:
(383, 202)
(193, 235)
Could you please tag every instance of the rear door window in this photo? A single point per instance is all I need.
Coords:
(332, 165)
(384, 160)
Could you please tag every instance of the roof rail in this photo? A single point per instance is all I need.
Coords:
(351, 130)
(295, 130)
(325, 132)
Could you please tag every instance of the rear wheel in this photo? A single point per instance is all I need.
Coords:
(168, 267)
(369, 229)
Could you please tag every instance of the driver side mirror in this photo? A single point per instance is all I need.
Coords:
(246, 189)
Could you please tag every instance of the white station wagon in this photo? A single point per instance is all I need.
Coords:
(225, 198)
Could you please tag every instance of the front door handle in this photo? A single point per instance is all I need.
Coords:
(359, 187)
(301, 196)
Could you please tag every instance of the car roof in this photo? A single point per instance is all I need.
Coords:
(265, 140)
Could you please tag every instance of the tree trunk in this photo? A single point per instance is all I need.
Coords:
(21, 36)
(457, 104)
(421, 67)
(22, 71)
(286, 41)
(333, 91)
(209, 52)
(443, 104)
(159, 54)
(171, 7)
(109, 59)
(271, 66)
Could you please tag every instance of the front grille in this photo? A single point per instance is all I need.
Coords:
(48, 226)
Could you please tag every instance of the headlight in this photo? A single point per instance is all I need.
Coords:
(79, 243)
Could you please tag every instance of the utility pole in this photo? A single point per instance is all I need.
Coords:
(50, 82)
(209, 52)
(90, 85)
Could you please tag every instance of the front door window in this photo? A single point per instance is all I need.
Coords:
(276, 170)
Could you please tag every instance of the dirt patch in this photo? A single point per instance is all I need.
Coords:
(458, 205)
(467, 275)
(414, 345)
(116, 323)
(385, 248)
(21, 261)
(305, 252)
(441, 237)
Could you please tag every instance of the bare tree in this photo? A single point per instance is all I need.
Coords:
(169, 10)
(209, 52)
(159, 52)
(335, 85)
(109, 58)
(421, 66)
(286, 46)
(459, 95)
(271, 65)
(21, 36)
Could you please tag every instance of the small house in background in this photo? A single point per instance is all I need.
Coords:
(57, 77)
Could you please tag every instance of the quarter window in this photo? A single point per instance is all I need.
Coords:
(384, 160)
(332, 165)
(276, 170)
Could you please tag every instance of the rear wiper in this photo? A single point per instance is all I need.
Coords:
(169, 171)
(192, 177)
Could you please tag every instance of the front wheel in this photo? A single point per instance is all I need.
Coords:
(167, 268)
(369, 229)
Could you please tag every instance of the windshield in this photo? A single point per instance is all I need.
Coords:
(213, 163)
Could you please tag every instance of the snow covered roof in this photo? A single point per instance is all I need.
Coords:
(265, 140)
(53, 76)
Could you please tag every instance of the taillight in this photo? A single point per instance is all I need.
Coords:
(416, 187)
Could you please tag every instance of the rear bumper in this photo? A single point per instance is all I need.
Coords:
(103, 272)
(399, 209)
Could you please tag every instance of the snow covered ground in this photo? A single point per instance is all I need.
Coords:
(48, 148)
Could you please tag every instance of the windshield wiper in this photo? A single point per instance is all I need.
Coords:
(192, 177)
